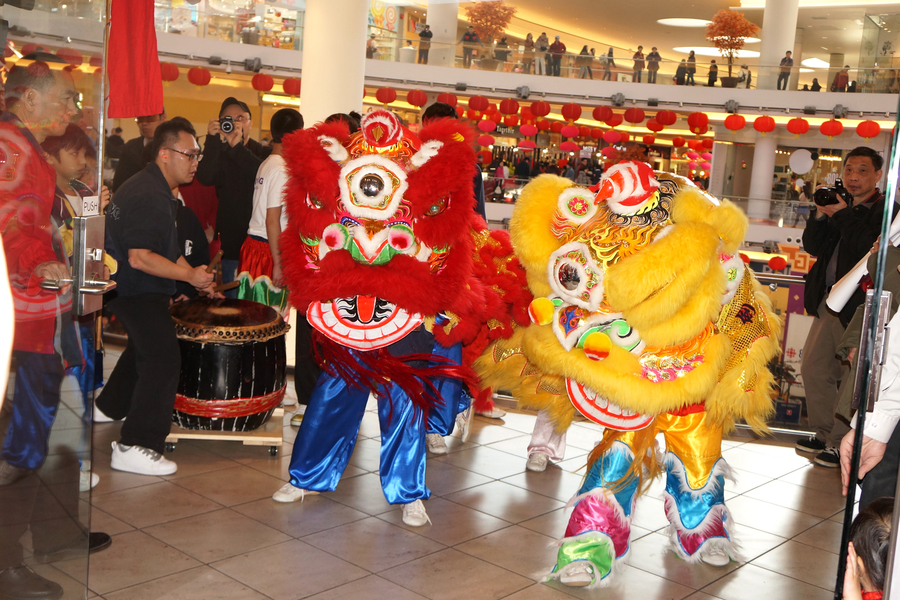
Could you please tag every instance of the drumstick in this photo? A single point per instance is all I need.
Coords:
(223, 287)
(212, 264)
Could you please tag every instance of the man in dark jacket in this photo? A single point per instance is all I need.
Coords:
(425, 44)
(838, 235)
(136, 153)
(557, 51)
(230, 162)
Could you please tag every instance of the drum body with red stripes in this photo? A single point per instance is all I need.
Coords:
(233, 364)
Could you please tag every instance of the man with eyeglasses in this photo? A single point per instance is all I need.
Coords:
(135, 154)
(231, 161)
(140, 221)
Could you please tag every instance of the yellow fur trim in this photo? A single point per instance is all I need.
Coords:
(529, 227)
(665, 273)
(618, 377)
(690, 205)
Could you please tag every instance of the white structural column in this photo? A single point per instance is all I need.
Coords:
(443, 17)
(762, 177)
(779, 28)
(334, 58)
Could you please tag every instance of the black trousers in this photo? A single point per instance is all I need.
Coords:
(651, 76)
(882, 480)
(782, 81)
(142, 386)
(306, 369)
(555, 64)
(423, 56)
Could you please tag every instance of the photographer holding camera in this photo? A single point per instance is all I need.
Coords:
(230, 161)
(844, 223)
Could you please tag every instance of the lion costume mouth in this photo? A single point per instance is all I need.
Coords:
(362, 322)
(600, 410)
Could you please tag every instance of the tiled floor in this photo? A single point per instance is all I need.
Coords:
(212, 530)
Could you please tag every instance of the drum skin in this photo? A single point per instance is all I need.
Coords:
(233, 364)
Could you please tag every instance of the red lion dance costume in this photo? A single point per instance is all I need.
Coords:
(396, 271)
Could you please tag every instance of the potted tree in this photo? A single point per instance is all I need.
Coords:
(728, 31)
(489, 19)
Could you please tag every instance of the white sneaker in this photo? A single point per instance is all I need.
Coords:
(435, 443)
(87, 480)
(714, 555)
(463, 420)
(494, 413)
(100, 417)
(414, 514)
(289, 399)
(297, 419)
(577, 574)
(289, 493)
(537, 462)
(140, 460)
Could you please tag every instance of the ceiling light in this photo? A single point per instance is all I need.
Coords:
(815, 63)
(710, 51)
(684, 22)
(802, 70)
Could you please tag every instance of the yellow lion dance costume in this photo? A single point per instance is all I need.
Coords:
(646, 321)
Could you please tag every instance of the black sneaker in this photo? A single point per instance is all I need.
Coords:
(829, 458)
(810, 445)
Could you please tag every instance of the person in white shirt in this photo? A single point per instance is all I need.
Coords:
(260, 262)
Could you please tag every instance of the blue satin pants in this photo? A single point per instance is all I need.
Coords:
(35, 402)
(328, 434)
(441, 419)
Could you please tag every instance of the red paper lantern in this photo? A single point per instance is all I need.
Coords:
(556, 126)
(868, 129)
(602, 113)
(473, 115)
(71, 56)
(693, 144)
(509, 106)
(655, 126)
(625, 138)
(485, 140)
(526, 113)
(543, 124)
(612, 137)
(706, 166)
(168, 71)
(701, 130)
(491, 109)
(199, 76)
(706, 156)
(608, 152)
(584, 131)
(778, 263)
(527, 144)
(479, 103)
(649, 139)
(98, 74)
(487, 125)
(385, 95)
(698, 121)
(634, 115)
(735, 122)
(745, 258)
(831, 128)
(96, 60)
(693, 155)
(528, 129)
(262, 82)
(540, 108)
(569, 131)
(484, 156)
(569, 146)
(74, 71)
(417, 98)
(707, 143)
(511, 120)
(666, 117)
(596, 133)
(678, 141)
(764, 124)
(798, 126)
(31, 47)
(571, 111)
(614, 121)
(447, 98)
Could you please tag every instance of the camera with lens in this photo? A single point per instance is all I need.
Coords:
(830, 195)
(226, 124)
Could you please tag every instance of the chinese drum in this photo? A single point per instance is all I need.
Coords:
(232, 364)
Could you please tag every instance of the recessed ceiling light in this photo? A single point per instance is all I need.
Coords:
(684, 22)
(802, 70)
(815, 63)
(710, 51)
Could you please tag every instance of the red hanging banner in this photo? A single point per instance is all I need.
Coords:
(135, 85)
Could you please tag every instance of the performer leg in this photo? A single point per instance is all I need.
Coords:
(441, 419)
(402, 449)
(546, 443)
(600, 526)
(695, 487)
(327, 434)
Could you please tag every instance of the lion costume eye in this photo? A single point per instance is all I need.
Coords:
(313, 202)
(575, 277)
(437, 207)
(568, 276)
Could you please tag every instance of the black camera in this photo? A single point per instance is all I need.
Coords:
(828, 196)
(226, 124)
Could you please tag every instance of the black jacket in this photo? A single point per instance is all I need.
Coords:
(135, 156)
(232, 169)
(856, 229)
